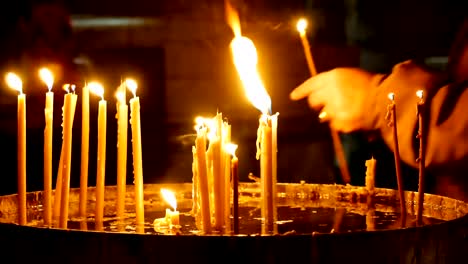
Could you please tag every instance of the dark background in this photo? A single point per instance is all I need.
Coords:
(179, 53)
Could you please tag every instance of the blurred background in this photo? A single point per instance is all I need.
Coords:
(178, 51)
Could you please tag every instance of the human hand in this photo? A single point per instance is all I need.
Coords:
(344, 94)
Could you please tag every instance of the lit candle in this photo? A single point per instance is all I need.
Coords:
(122, 119)
(84, 151)
(202, 174)
(217, 169)
(370, 175)
(15, 82)
(47, 77)
(68, 116)
(396, 152)
(172, 217)
(137, 157)
(422, 150)
(337, 145)
(231, 149)
(227, 176)
(97, 89)
(245, 60)
(301, 27)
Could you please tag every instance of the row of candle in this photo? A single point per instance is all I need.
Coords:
(59, 212)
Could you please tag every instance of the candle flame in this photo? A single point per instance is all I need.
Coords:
(97, 89)
(131, 85)
(301, 26)
(322, 115)
(120, 96)
(14, 82)
(204, 122)
(245, 60)
(391, 96)
(169, 197)
(68, 86)
(47, 77)
(231, 149)
(420, 94)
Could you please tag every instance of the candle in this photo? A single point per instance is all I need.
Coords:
(421, 159)
(84, 151)
(15, 82)
(68, 116)
(267, 153)
(301, 27)
(337, 145)
(391, 110)
(202, 175)
(217, 169)
(227, 176)
(47, 77)
(231, 149)
(370, 175)
(137, 157)
(122, 119)
(97, 89)
(172, 217)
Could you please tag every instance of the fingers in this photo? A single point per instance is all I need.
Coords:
(308, 87)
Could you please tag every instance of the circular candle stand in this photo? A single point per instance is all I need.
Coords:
(316, 224)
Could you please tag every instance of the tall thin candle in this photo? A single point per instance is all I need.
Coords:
(122, 121)
(202, 175)
(337, 145)
(15, 82)
(231, 149)
(137, 153)
(421, 159)
(396, 152)
(68, 116)
(84, 150)
(47, 77)
(101, 151)
(301, 27)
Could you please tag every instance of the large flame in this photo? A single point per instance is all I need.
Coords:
(14, 82)
(170, 198)
(245, 60)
